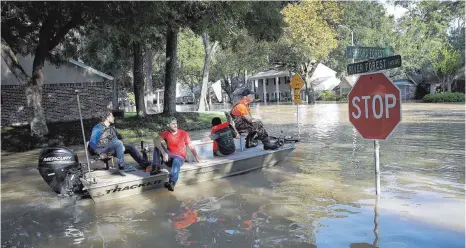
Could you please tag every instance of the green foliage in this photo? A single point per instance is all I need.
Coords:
(131, 97)
(423, 34)
(26, 24)
(447, 62)
(310, 27)
(190, 58)
(327, 95)
(378, 32)
(445, 97)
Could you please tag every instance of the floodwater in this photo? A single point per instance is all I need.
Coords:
(323, 195)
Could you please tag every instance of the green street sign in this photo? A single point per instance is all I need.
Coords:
(374, 65)
(363, 53)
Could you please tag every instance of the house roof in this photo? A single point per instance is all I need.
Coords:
(403, 82)
(88, 68)
(270, 74)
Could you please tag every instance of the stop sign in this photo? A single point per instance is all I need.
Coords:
(374, 106)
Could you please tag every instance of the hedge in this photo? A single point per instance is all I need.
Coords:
(445, 97)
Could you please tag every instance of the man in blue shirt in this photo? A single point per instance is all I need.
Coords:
(104, 139)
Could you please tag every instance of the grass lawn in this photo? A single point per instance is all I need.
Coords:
(17, 139)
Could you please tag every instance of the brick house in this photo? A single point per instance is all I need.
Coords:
(97, 92)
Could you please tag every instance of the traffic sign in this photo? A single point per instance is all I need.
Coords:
(374, 65)
(296, 95)
(296, 82)
(362, 53)
(374, 106)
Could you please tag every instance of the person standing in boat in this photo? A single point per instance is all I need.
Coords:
(104, 140)
(223, 135)
(244, 122)
(173, 151)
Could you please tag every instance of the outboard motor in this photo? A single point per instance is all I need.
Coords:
(61, 170)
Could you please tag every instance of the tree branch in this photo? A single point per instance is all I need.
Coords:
(74, 22)
(12, 63)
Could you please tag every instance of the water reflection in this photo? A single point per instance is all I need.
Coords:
(321, 196)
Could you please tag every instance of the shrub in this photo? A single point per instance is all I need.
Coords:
(327, 95)
(444, 97)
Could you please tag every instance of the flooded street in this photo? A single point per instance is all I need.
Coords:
(322, 195)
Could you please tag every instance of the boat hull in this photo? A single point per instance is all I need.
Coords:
(110, 186)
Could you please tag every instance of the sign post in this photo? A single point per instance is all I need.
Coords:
(296, 84)
(375, 111)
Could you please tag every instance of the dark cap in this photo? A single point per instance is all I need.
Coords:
(247, 92)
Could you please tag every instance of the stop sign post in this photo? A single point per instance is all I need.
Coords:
(375, 111)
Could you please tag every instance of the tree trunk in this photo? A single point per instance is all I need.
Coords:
(208, 52)
(148, 68)
(138, 78)
(230, 90)
(34, 92)
(169, 104)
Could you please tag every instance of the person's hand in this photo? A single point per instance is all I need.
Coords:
(198, 160)
(165, 157)
(238, 136)
(103, 155)
(206, 139)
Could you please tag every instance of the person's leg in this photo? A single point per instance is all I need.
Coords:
(241, 125)
(117, 149)
(176, 163)
(259, 128)
(136, 156)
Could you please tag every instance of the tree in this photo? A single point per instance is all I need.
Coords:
(140, 25)
(41, 29)
(379, 32)
(176, 16)
(106, 49)
(309, 36)
(191, 57)
(446, 65)
(241, 56)
(425, 37)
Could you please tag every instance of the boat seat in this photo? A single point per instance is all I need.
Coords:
(96, 157)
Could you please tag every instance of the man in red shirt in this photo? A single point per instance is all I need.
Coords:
(173, 151)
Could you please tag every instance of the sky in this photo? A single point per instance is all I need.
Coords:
(392, 10)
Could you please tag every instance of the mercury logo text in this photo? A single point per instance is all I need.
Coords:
(49, 159)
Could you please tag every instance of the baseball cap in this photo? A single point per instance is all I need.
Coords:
(171, 119)
(247, 92)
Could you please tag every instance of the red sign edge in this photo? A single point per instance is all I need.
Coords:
(399, 95)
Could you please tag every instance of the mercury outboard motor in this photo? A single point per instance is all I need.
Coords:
(61, 170)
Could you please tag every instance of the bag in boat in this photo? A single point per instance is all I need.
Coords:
(272, 143)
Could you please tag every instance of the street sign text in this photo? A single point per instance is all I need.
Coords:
(362, 53)
(374, 65)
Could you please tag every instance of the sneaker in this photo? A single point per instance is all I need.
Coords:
(170, 186)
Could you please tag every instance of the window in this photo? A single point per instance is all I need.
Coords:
(345, 90)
